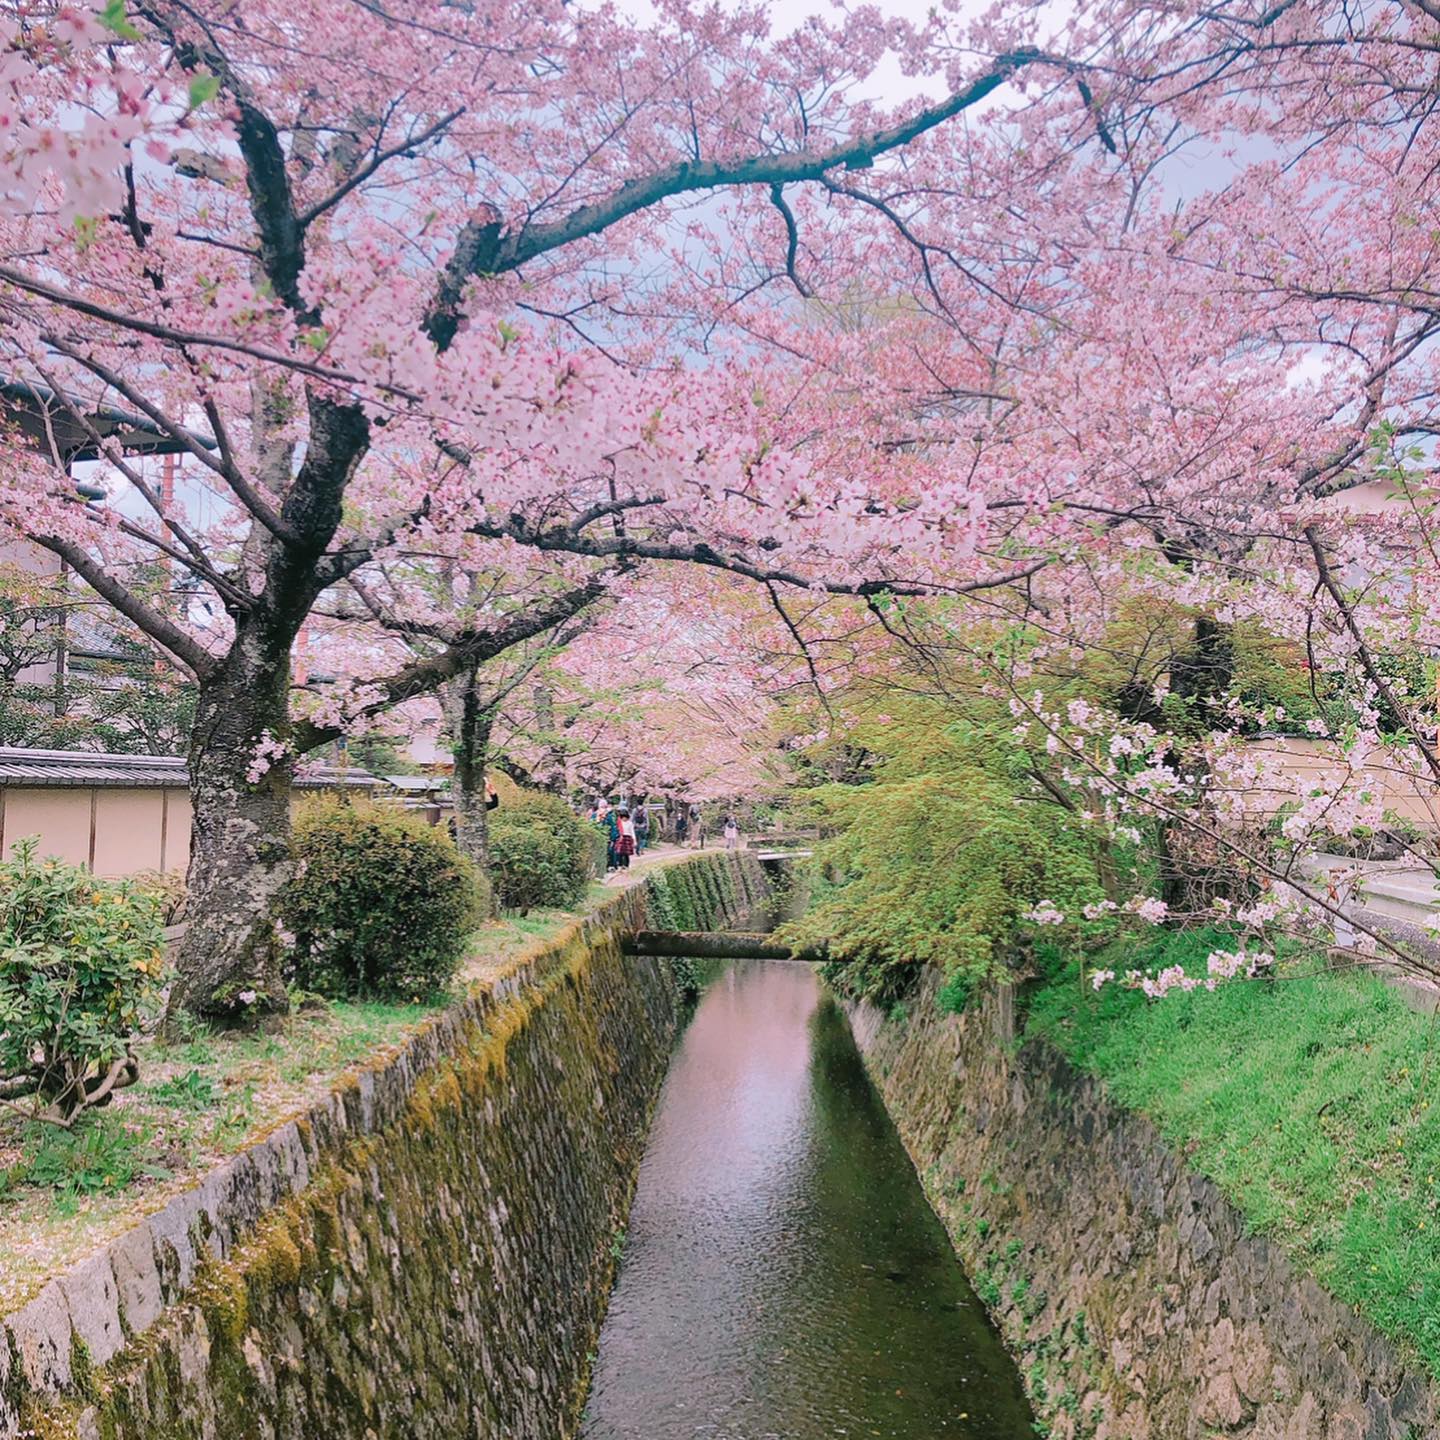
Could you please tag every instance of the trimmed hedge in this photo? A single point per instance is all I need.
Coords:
(381, 905)
(541, 854)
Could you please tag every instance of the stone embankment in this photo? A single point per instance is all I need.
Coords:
(426, 1254)
(1127, 1286)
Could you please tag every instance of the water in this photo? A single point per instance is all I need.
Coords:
(783, 1277)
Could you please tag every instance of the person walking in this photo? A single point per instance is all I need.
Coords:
(682, 826)
(624, 839)
(607, 818)
(696, 820)
(732, 831)
(641, 819)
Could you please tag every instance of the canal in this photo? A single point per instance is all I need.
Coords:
(783, 1277)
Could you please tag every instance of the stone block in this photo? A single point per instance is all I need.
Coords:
(41, 1334)
(93, 1300)
(137, 1278)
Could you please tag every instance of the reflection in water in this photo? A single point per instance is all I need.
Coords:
(784, 1278)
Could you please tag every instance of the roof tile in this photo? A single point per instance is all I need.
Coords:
(22, 768)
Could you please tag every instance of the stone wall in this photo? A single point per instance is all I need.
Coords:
(426, 1254)
(1126, 1285)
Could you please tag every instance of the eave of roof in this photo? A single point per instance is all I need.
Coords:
(83, 769)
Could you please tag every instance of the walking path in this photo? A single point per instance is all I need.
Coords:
(654, 857)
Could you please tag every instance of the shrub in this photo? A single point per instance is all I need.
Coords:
(540, 854)
(168, 888)
(935, 860)
(381, 903)
(80, 964)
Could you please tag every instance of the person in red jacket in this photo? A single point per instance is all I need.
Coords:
(624, 839)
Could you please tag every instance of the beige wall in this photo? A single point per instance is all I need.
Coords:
(113, 831)
(61, 818)
(1400, 776)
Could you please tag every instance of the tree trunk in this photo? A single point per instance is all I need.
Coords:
(230, 960)
(470, 723)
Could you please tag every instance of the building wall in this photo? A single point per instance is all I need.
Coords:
(1292, 766)
(61, 818)
(116, 831)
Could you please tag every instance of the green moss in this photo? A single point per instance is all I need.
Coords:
(82, 1369)
(60, 1422)
(221, 1292)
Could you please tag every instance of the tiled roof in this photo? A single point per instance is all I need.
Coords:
(84, 768)
(419, 784)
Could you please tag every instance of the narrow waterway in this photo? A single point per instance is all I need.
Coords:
(783, 1277)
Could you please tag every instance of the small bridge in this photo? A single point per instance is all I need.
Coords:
(713, 945)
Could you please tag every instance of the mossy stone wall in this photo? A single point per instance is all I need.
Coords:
(1126, 1285)
(428, 1254)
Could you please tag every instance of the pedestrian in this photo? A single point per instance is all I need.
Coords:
(624, 839)
(682, 826)
(732, 832)
(607, 818)
(642, 829)
(696, 821)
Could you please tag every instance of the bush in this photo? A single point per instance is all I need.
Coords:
(168, 888)
(541, 853)
(381, 904)
(935, 860)
(80, 964)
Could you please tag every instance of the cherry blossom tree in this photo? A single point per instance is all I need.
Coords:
(343, 302)
(614, 294)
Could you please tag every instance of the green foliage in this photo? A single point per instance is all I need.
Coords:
(1310, 1102)
(382, 904)
(936, 859)
(97, 1155)
(167, 888)
(121, 716)
(80, 962)
(192, 1090)
(541, 853)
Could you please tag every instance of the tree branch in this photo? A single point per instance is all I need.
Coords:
(423, 676)
(164, 632)
(483, 248)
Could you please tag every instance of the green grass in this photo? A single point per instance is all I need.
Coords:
(1309, 1100)
(200, 1098)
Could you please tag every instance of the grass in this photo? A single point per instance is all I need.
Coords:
(1311, 1101)
(199, 1099)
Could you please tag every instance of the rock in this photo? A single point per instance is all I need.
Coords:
(41, 1332)
(94, 1304)
(137, 1279)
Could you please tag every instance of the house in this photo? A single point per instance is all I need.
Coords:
(117, 814)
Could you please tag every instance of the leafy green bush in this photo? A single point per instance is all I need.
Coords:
(168, 888)
(80, 965)
(936, 860)
(381, 905)
(541, 853)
